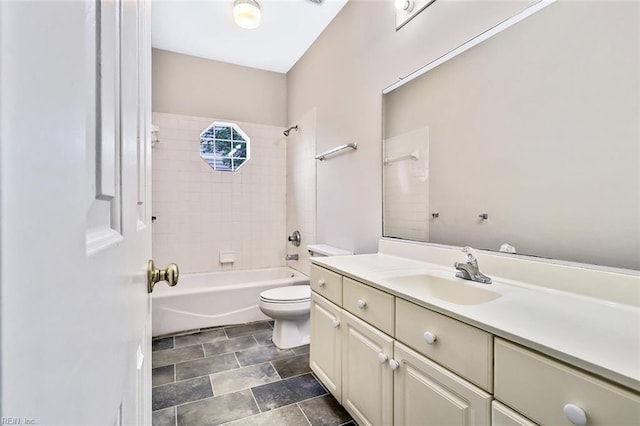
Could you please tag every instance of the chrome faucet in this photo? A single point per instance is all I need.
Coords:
(470, 269)
(292, 257)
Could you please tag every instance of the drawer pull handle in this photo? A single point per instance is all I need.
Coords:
(430, 338)
(336, 323)
(361, 304)
(382, 357)
(575, 414)
(393, 364)
(321, 283)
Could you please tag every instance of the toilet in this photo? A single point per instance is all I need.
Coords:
(290, 306)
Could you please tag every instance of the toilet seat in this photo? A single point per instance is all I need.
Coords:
(287, 295)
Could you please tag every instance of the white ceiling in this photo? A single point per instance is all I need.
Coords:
(205, 28)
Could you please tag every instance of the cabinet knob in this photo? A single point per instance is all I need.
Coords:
(393, 364)
(575, 414)
(361, 304)
(430, 338)
(382, 357)
(336, 323)
(321, 283)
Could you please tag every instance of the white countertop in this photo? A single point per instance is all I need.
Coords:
(598, 336)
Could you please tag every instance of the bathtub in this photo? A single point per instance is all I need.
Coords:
(217, 298)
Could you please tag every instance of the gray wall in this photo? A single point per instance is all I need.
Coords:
(192, 86)
(342, 76)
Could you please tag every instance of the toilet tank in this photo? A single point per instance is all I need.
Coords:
(323, 250)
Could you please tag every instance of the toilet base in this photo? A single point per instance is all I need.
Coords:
(291, 333)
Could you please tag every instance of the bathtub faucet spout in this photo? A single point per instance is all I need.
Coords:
(292, 257)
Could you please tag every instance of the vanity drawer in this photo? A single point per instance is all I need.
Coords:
(327, 284)
(455, 345)
(369, 304)
(502, 415)
(541, 388)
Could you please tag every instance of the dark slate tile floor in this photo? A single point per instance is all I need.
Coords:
(234, 375)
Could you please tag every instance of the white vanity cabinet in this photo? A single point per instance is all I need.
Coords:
(382, 381)
(390, 361)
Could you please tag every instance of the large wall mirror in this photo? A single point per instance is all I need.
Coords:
(530, 138)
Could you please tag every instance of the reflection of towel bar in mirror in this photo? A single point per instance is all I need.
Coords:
(322, 156)
(415, 155)
(154, 135)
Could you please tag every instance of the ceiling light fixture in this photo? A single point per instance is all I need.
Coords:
(246, 13)
(404, 5)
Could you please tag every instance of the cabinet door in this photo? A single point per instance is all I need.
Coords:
(326, 344)
(428, 394)
(367, 380)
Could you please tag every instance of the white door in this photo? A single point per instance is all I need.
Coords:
(74, 211)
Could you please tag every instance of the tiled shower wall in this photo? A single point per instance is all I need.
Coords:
(201, 212)
(406, 186)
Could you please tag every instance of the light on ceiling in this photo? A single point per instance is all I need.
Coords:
(404, 5)
(246, 13)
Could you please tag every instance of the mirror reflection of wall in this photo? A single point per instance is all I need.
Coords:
(539, 127)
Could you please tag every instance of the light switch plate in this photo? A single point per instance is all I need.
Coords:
(404, 16)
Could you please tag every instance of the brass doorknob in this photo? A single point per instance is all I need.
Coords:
(170, 275)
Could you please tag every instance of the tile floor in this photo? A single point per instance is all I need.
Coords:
(235, 375)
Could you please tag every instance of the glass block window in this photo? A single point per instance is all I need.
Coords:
(224, 146)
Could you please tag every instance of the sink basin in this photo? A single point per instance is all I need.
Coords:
(453, 290)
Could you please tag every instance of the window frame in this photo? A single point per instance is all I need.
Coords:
(211, 159)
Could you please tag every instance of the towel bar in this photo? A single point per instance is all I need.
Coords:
(322, 156)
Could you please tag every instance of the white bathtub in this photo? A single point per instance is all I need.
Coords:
(218, 298)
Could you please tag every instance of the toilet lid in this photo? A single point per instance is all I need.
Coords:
(292, 293)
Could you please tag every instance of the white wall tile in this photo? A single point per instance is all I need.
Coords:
(201, 211)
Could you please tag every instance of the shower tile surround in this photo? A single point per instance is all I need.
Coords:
(236, 376)
(201, 212)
